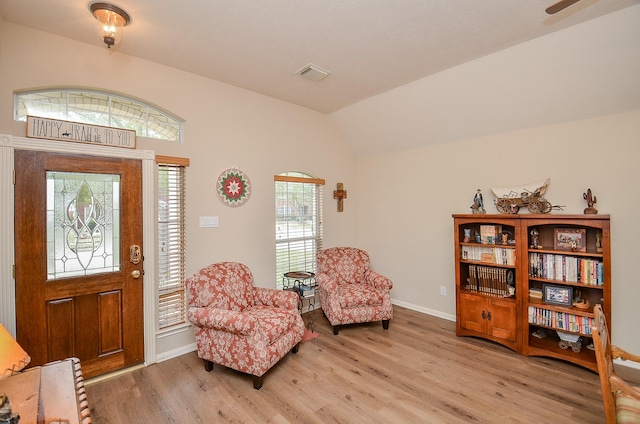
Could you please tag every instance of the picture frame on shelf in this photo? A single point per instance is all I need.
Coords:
(557, 295)
(570, 239)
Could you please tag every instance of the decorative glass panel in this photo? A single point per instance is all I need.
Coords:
(83, 224)
(99, 108)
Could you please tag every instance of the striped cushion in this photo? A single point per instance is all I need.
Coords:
(627, 409)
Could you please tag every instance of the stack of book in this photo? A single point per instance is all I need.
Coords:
(535, 294)
(304, 290)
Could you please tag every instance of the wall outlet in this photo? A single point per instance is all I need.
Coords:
(443, 290)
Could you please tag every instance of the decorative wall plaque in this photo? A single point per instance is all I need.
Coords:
(233, 187)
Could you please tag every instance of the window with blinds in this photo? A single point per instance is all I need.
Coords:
(298, 222)
(171, 241)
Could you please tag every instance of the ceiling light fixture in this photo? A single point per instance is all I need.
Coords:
(111, 21)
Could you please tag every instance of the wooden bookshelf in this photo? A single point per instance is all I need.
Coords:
(568, 255)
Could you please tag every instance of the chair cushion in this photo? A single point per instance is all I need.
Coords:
(273, 322)
(224, 285)
(345, 264)
(627, 409)
(356, 295)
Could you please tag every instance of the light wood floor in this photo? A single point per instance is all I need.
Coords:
(416, 372)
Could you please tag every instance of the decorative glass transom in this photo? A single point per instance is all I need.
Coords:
(83, 224)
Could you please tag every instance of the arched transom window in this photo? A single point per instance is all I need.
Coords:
(99, 108)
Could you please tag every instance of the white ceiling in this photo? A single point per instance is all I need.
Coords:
(370, 46)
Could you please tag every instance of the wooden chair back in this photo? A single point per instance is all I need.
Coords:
(602, 346)
(621, 400)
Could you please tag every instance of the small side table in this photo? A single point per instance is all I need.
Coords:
(303, 283)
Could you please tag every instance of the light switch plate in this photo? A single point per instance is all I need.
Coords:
(209, 221)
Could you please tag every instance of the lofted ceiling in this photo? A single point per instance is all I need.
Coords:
(370, 46)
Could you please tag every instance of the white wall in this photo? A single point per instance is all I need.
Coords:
(406, 198)
(225, 126)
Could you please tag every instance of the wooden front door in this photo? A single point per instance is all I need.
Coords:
(78, 220)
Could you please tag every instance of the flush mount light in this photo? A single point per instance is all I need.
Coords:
(111, 21)
(313, 72)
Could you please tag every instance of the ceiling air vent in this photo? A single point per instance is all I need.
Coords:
(313, 72)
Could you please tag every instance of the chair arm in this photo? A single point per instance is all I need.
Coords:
(377, 280)
(619, 384)
(325, 282)
(617, 352)
(222, 319)
(282, 299)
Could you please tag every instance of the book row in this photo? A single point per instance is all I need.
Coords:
(493, 255)
(566, 268)
(560, 320)
(491, 281)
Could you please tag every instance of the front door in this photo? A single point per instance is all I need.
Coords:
(78, 267)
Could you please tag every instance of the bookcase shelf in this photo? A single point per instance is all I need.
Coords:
(549, 347)
(566, 283)
(557, 255)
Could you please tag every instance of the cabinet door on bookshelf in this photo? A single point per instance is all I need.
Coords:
(493, 317)
(473, 313)
(503, 319)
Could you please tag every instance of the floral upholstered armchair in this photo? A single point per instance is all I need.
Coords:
(239, 326)
(350, 291)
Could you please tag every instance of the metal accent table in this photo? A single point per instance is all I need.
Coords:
(303, 283)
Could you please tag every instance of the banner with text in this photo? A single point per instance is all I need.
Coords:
(53, 129)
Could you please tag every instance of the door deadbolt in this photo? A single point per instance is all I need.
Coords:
(135, 274)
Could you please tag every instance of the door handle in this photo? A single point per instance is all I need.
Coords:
(135, 273)
(484, 315)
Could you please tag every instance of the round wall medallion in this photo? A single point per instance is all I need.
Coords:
(233, 187)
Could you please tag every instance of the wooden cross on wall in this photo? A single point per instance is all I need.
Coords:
(340, 194)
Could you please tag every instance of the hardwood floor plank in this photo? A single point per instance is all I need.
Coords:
(417, 371)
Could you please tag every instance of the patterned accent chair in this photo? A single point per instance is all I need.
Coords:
(350, 291)
(621, 400)
(239, 326)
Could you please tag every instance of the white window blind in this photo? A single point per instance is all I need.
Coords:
(298, 222)
(171, 241)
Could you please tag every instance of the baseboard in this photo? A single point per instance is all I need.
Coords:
(176, 352)
(427, 311)
(626, 364)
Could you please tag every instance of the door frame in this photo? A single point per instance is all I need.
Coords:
(8, 145)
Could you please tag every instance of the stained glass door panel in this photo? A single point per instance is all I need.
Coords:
(83, 224)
